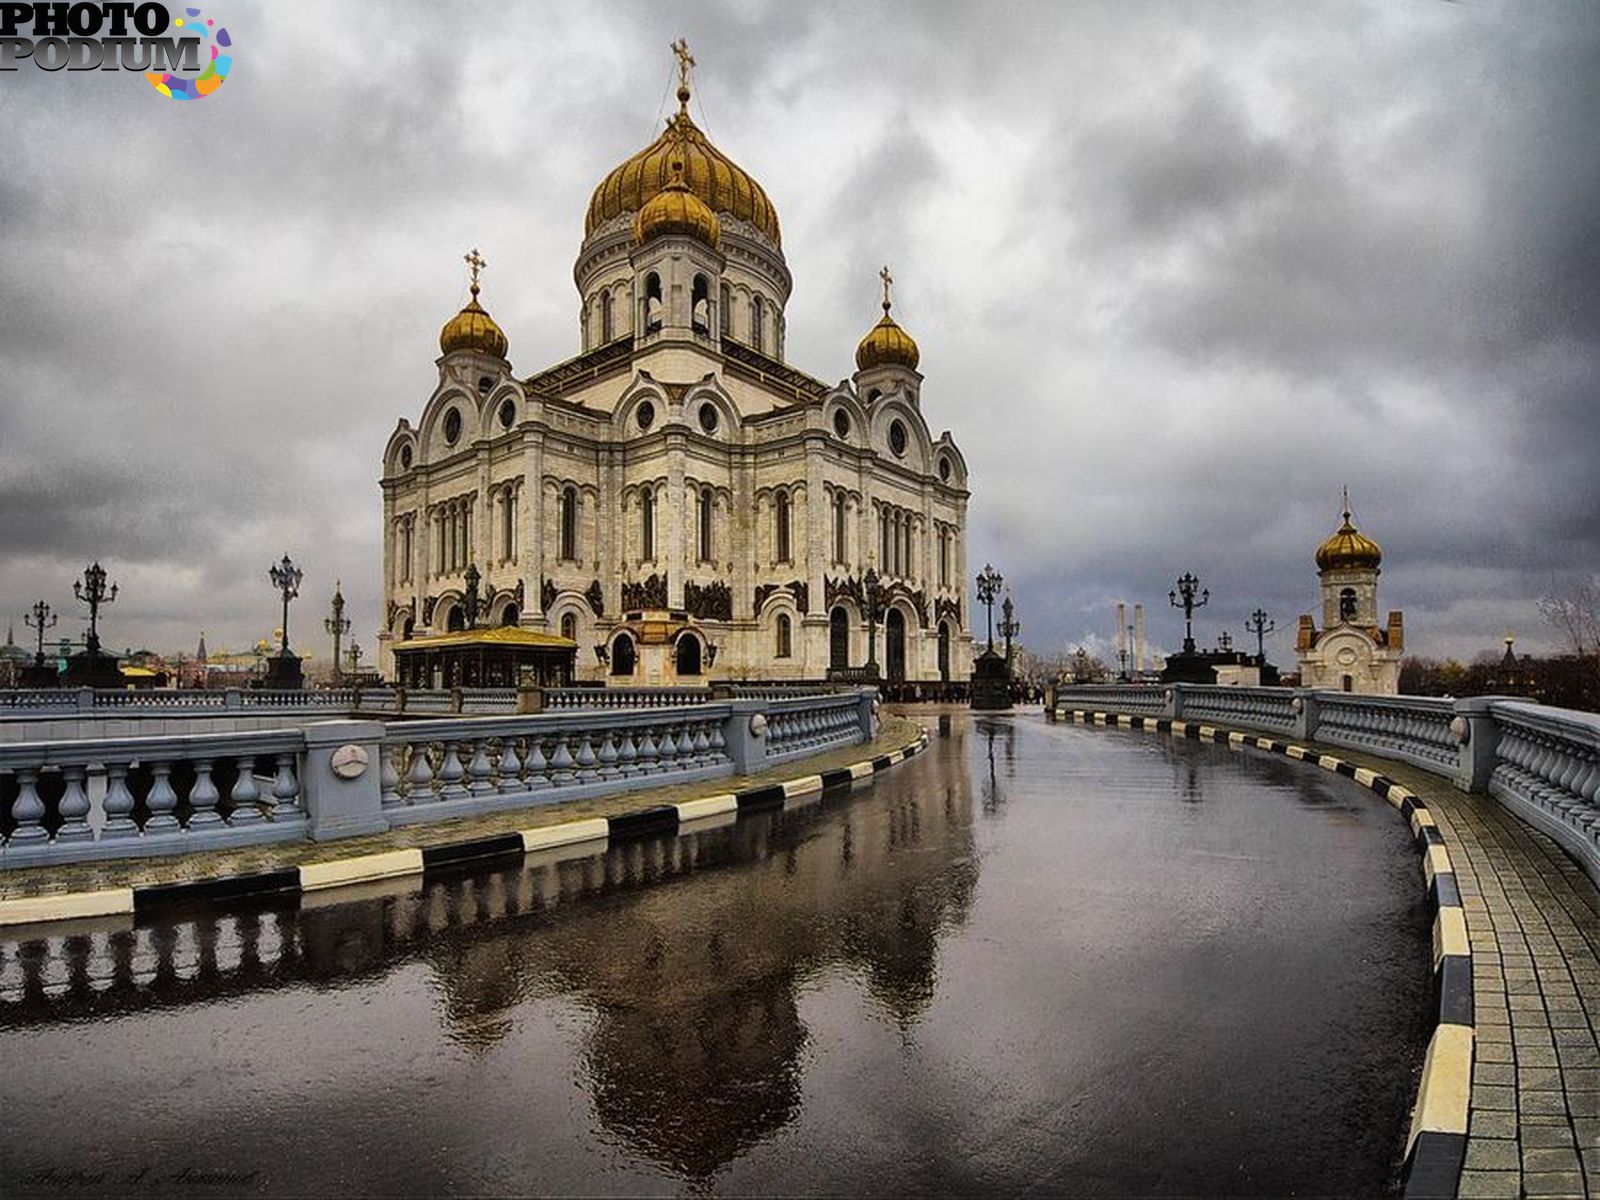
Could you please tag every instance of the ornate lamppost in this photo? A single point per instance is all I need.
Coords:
(989, 583)
(283, 671)
(470, 600)
(42, 619)
(337, 624)
(354, 654)
(1188, 587)
(92, 591)
(1010, 627)
(872, 594)
(1260, 626)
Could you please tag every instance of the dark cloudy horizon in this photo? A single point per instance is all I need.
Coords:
(1178, 272)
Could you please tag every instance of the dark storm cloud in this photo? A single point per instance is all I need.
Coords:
(1178, 274)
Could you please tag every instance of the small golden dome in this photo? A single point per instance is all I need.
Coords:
(721, 185)
(676, 209)
(1348, 548)
(473, 329)
(886, 344)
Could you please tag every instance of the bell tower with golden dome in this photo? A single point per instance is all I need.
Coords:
(1351, 652)
(886, 359)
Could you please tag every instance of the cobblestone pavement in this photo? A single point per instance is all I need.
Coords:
(1533, 918)
(893, 733)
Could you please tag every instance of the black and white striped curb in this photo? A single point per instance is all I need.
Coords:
(1437, 1143)
(687, 816)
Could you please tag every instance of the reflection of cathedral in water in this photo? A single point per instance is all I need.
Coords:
(690, 954)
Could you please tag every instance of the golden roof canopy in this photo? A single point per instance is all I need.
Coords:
(886, 343)
(1348, 548)
(676, 209)
(720, 183)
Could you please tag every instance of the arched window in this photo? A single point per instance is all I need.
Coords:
(508, 530)
(569, 626)
(607, 330)
(456, 621)
(624, 657)
(785, 636)
(839, 528)
(700, 305)
(569, 523)
(688, 654)
(510, 615)
(838, 639)
(1347, 604)
(652, 302)
(725, 310)
(706, 502)
(758, 323)
(647, 525)
(781, 505)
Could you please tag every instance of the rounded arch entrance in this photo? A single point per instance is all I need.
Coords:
(894, 645)
(838, 639)
(686, 655)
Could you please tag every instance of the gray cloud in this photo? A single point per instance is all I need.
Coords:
(1178, 274)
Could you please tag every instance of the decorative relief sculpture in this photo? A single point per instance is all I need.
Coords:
(547, 595)
(596, 598)
(708, 602)
(652, 593)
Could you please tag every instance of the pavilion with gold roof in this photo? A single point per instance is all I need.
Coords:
(1351, 652)
(677, 499)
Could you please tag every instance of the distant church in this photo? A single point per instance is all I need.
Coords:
(1351, 652)
(677, 501)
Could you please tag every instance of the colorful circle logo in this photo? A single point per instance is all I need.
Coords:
(176, 87)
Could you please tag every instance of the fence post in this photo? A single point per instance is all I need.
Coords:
(85, 700)
(1477, 737)
(868, 709)
(1306, 714)
(1172, 702)
(745, 732)
(530, 699)
(340, 782)
(232, 698)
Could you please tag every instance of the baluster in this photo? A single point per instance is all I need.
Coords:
(702, 743)
(161, 800)
(719, 744)
(118, 803)
(608, 754)
(667, 744)
(285, 788)
(586, 760)
(561, 762)
(203, 797)
(28, 810)
(245, 794)
(74, 805)
(649, 753)
(451, 772)
(481, 771)
(627, 754)
(510, 766)
(389, 777)
(538, 766)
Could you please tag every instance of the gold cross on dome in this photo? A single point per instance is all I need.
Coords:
(685, 61)
(887, 280)
(475, 263)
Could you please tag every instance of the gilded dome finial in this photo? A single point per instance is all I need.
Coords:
(475, 263)
(886, 343)
(887, 280)
(1347, 504)
(685, 64)
(472, 328)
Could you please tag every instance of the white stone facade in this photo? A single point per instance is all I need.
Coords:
(679, 467)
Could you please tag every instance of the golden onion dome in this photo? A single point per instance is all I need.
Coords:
(886, 344)
(1348, 549)
(720, 184)
(473, 329)
(676, 209)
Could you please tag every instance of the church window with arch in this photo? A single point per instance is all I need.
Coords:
(782, 512)
(707, 503)
(569, 523)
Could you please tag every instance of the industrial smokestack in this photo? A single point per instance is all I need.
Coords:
(1122, 630)
(1138, 635)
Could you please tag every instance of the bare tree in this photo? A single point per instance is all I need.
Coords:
(1575, 615)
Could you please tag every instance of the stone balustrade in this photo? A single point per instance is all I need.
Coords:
(1542, 763)
(624, 697)
(71, 799)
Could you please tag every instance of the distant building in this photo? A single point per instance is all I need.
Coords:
(679, 484)
(1351, 652)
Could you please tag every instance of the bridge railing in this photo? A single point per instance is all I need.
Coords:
(1541, 763)
(71, 799)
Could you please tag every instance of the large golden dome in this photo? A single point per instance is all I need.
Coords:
(717, 180)
(676, 209)
(473, 329)
(1348, 549)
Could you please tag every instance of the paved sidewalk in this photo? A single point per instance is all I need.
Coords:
(1533, 919)
(894, 733)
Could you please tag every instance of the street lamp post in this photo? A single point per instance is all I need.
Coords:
(92, 591)
(286, 578)
(471, 601)
(337, 624)
(42, 619)
(989, 584)
(354, 654)
(1260, 626)
(1010, 627)
(872, 593)
(1188, 587)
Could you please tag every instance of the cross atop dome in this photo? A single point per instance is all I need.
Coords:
(475, 263)
(685, 65)
(888, 279)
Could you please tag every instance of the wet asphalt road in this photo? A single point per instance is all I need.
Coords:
(1038, 958)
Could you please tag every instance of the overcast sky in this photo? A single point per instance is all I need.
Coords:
(1178, 272)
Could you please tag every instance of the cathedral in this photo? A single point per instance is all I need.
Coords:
(678, 502)
(1351, 652)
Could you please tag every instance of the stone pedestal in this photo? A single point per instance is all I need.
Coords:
(284, 674)
(991, 683)
(1189, 668)
(45, 676)
(93, 669)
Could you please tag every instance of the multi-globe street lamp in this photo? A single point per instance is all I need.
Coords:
(42, 619)
(92, 591)
(1188, 587)
(1010, 627)
(337, 624)
(990, 582)
(1260, 626)
(872, 594)
(286, 578)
